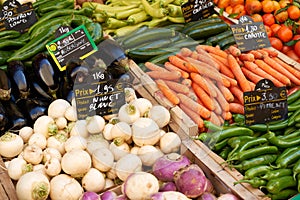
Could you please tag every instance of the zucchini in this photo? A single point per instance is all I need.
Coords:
(185, 43)
(148, 36)
(196, 24)
(161, 58)
(226, 42)
(176, 27)
(147, 54)
(208, 30)
(139, 30)
(216, 38)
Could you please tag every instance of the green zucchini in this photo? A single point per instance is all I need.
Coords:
(147, 54)
(226, 42)
(196, 24)
(162, 58)
(216, 38)
(176, 27)
(208, 30)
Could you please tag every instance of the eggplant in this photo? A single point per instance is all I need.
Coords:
(16, 118)
(3, 119)
(16, 72)
(5, 86)
(46, 74)
(33, 108)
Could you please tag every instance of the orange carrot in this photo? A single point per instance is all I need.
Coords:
(193, 115)
(226, 92)
(275, 65)
(218, 109)
(219, 58)
(264, 53)
(185, 52)
(197, 78)
(193, 95)
(267, 68)
(187, 82)
(166, 75)
(194, 55)
(252, 85)
(234, 50)
(220, 98)
(232, 81)
(181, 63)
(237, 71)
(154, 67)
(177, 87)
(198, 62)
(251, 76)
(196, 107)
(169, 66)
(224, 69)
(238, 93)
(247, 57)
(214, 119)
(169, 94)
(288, 67)
(203, 96)
(271, 52)
(214, 50)
(227, 115)
(236, 108)
(255, 69)
(205, 57)
(257, 55)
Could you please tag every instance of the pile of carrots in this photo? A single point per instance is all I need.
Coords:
(208, 83)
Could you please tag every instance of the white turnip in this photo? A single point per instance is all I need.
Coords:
(111, 174)
(75, 142)
(61, 122)
(96, 141)
(140, 185)
(71, 114)
(25, 133)
(33, 185)
(64, 186)
(128, 164)
(102, 159)
(11, 145)
(52, 167)
(33, 154)
(38, 139)
(160, 115)
(80, 128)
(119, 148)
(109, 183)
(143, 105)
(128, 113)
(57, 142)
(107, 131)
(121, 130)
(145, 132)
(45, 125)
(149, 154)
(93, 181)
(57, 108)
(50, 152)
(95, 124)
(165, 167)
(170, 142)
(17, 167)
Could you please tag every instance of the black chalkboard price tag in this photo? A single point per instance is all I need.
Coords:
(265, 104)
(99, 94)
(250, 35)
(195, 10)
(75, 43)
(15, 16)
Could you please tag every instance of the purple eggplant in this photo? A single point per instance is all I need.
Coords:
(16, 72)
(5, 86)
(16, 118)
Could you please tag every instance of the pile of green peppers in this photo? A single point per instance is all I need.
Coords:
(268, 155)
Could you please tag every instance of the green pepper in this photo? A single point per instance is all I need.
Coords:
(277, 173)
(276, 185)
(4, 55)
(254, 182)
(283, 195)
(211, 126)
(289, 159)
(290, 135)
(253, 142)
(236, 142)
(282, 143)
(272, 127)
(296, 169)
(11, 44)
(289, 130)
(220, 145)
(257, 171)
(259, 160)
(293, 97)
(152, 11)
(55, 5)
(7, 34)
(224, 153)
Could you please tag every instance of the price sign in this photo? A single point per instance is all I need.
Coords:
(250, 35)
(76, 43)
(99, 94)
(15, 16)
(266, 103)
(194, 10)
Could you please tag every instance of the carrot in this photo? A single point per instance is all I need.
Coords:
(205, 57)
(252, 85)
(224, 69)
(153, 67)
(257, 55)
(197, 78)
(227, 115)
(236, 108)
(169, 94)
(194, 55)
(214, 119)
(181, 63)
(193, 95)
(193, 105)
(203, 96)
(218, 109)
(272, 53)
(232, 81)
(185, 52)
(220, 98)
(247, 57)
(290, 68)
(193, 115)
(169, 66)
(212, 49)
(238, 93)
(234, 50)
(177, 87)
(198, 62)
(166, 75)
(237, 71)
(219, 58)
(187, 82)
(264, 53)
(255, 69)
(251, 76)
(267, 68)
(275, 65)
(226, 92)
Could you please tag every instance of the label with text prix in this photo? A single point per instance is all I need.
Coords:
(195, 10)
(265, 104)
(15, 16)
(100, 96)
(250, 35)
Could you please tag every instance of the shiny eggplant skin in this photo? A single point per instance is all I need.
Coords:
(16, 118)
(5, 86)
(46, 74)
(17, 75)
(3, 119)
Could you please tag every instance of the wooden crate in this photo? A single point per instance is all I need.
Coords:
(7, 188)
(222, 177)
